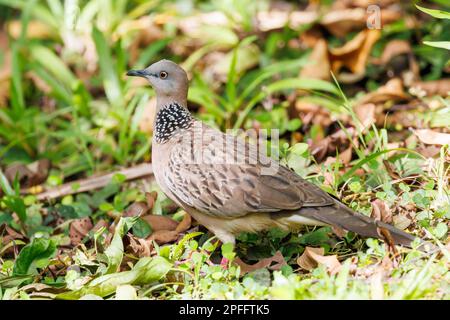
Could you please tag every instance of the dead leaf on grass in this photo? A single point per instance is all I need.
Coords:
(312, 257)
(139, 208)
(381, 211)
(318, 66)
(429, 136)
(163, 236)
(273, 263)
(79, 228)
(28, 174)
(140, 247)
(365, 114)
(355, 53)
(185, 224)
(436, 87)
(159, 223)
(151, 198)
(391, 91)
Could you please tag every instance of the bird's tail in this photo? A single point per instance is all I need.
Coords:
(345, 218)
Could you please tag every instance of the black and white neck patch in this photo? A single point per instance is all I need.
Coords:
(170, 119)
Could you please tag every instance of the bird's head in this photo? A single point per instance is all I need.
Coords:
(166, 77)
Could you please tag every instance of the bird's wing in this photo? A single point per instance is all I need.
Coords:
(223, 175)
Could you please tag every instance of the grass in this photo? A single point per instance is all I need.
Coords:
(69, 102)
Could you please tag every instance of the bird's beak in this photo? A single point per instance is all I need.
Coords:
(137, 73)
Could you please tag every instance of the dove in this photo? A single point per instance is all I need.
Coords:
(227, 183)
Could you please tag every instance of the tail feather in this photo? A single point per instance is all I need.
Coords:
(345, 218)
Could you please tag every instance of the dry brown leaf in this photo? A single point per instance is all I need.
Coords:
(311, 113)
(160, 223)
(163, 236)
(273, 263)
(401, 222)
(318, 66)
(392, 49)
(341, 22)
(139, 208)
(312, 257)
(354, 54)
(330, 143)
(151, 198)
(437, 87)
(140, 247)
(185, 224)
(100, 223)
(339, 232)
(8, 234)
(79, 228)
(381, 211)
(391, 91)
(429, 136)
(29, 175)
(365, 114)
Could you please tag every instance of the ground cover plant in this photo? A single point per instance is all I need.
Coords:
(359, 91)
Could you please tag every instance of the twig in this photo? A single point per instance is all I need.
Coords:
(92, 183)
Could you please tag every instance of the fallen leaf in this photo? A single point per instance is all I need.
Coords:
(401, 222)
(381, 211)
(429, 136)
(341, 22)
(185, 224)
(354, 54)
(318, 66)
(79, 228)
(391, 91)
(163, 236)
(330, 143)
(392, 49)
(29, 175)
(140, 247)
(160, 223)
(312, 257)
(273, 263)
(339, 232)
(436, 87)
(101, 223)
(365, 114)
(151, 198)
(312, 113)
(136, 209)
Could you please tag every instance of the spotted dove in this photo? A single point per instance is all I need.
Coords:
(196, 166)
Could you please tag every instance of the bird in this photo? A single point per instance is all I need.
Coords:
(227, 184)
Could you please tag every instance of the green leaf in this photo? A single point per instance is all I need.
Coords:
(111, 82)
(299, 148)
(50, 61)
(440, 14)
(114, 252)
(141, 228)
(438, 44)
(302, 83)
(146, 271)
(440, 230)
(228, 251)
(38, 249)
(151, 269)
(16, 205)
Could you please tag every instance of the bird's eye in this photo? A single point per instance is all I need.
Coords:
(163, 74)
